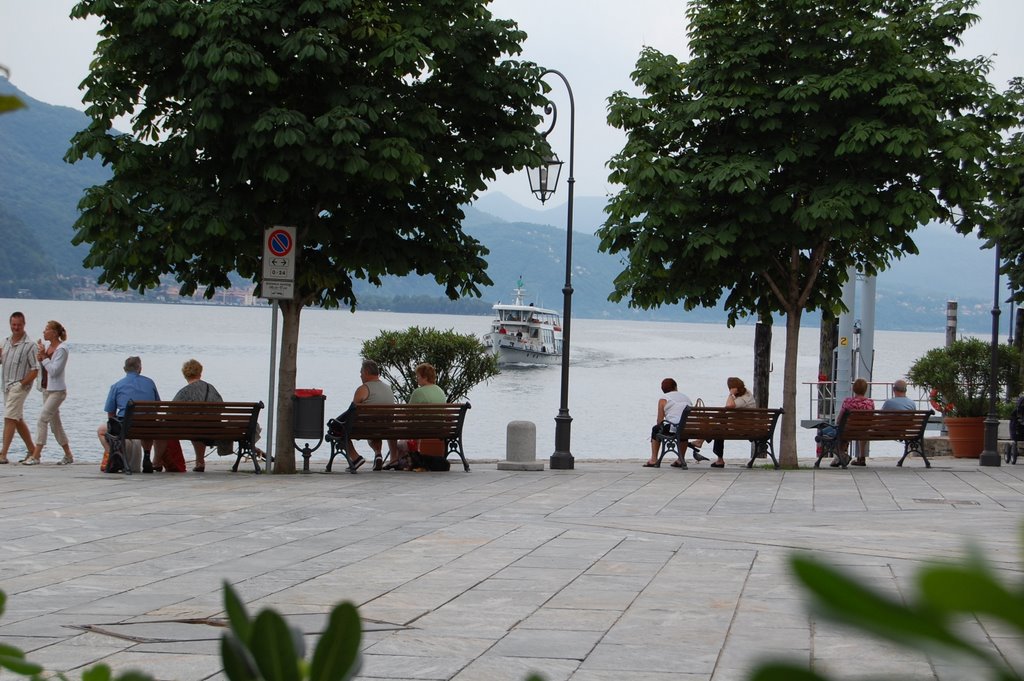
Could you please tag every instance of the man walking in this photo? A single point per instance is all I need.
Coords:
(20, 367)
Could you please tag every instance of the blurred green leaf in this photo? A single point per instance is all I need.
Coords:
(336, 657)
(271, 645)
(843, 599)
(19, 665)
(100, 672)
(783, 671)
(971, 589)
(237, 615)
(238, 662)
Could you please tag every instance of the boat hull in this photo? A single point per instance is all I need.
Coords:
(510, 354)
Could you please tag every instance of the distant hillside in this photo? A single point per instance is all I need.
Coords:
(37, 188)
(39, 194)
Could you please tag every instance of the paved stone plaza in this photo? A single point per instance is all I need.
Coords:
(608, 572)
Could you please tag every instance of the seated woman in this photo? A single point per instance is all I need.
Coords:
(197, 390)
(670, 409)
(739, 398)
(428, 392)
(859, 401)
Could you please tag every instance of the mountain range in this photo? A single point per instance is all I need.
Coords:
(39, 193)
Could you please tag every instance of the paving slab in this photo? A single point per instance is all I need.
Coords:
(608, 571)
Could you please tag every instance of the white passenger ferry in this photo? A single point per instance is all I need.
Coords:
(525, 334)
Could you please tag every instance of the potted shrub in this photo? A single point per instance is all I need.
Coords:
(958, 377)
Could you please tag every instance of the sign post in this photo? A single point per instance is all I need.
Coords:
(278, 284)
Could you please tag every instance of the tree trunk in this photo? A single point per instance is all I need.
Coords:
(787, 441)
(762, 360)
(285, 451)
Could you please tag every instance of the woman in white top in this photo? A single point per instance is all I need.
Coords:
(739, 398)
(53, 358)
(670, 409)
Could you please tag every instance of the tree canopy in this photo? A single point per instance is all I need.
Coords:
(460, 359)
(801, 139)
(365, 124)
(1008, 197)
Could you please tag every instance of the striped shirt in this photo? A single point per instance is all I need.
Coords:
(18, 360)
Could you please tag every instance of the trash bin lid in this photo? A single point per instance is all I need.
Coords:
(308, 392)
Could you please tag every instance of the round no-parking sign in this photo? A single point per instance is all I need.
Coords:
(279, 243)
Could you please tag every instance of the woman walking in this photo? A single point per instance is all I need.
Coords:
(53, 358)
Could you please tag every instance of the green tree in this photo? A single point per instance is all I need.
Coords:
(802, 138)
(365, 124)
(9, 103)
(1008, 194)
(461, 360)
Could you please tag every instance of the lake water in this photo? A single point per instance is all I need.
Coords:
(616, 369)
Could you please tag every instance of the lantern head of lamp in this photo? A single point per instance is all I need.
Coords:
(544, 179)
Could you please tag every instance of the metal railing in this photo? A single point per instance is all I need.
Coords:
(822, 398)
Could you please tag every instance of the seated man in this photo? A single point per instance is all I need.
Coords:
(899, 400)
(134, 386)
(372, 391)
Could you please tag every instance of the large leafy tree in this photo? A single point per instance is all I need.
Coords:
(364, 123)
(1008, 194)
(801, 138)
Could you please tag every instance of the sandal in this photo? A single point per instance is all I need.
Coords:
(718, 464)
(651, 465)
(677, 464)
(356, 464)
(199, 469)
(378, 463)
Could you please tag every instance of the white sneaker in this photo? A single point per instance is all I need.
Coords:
(31, 461)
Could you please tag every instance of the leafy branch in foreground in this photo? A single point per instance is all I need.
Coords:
(945, 592)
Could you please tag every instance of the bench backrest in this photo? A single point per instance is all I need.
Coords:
(403, 421)
(712, 423)
(166, 420)
(877, 424)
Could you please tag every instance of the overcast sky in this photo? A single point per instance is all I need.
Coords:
(595, 43)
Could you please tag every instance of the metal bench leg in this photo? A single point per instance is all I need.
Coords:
(455, 447)
(339, 446)
(669, 444)
(914, 446)
(765, 449)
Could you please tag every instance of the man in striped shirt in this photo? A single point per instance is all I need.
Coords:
(20, 367)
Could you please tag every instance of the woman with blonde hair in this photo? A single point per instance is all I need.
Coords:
(53, 359)
(197, 390)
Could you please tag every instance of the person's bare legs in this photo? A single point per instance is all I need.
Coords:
(26, 435)
(655, 449)
(353, 455)
(200, 448)
(9, 427)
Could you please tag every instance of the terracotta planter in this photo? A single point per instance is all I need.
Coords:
(966, 435)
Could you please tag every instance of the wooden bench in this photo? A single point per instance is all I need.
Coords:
(398, 422)
(207, 421)
(722, 423)
(877, 425)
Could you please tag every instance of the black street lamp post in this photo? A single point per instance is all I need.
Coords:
(990, 455)
(543, 181)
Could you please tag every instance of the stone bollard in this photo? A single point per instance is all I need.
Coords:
(521, 448)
